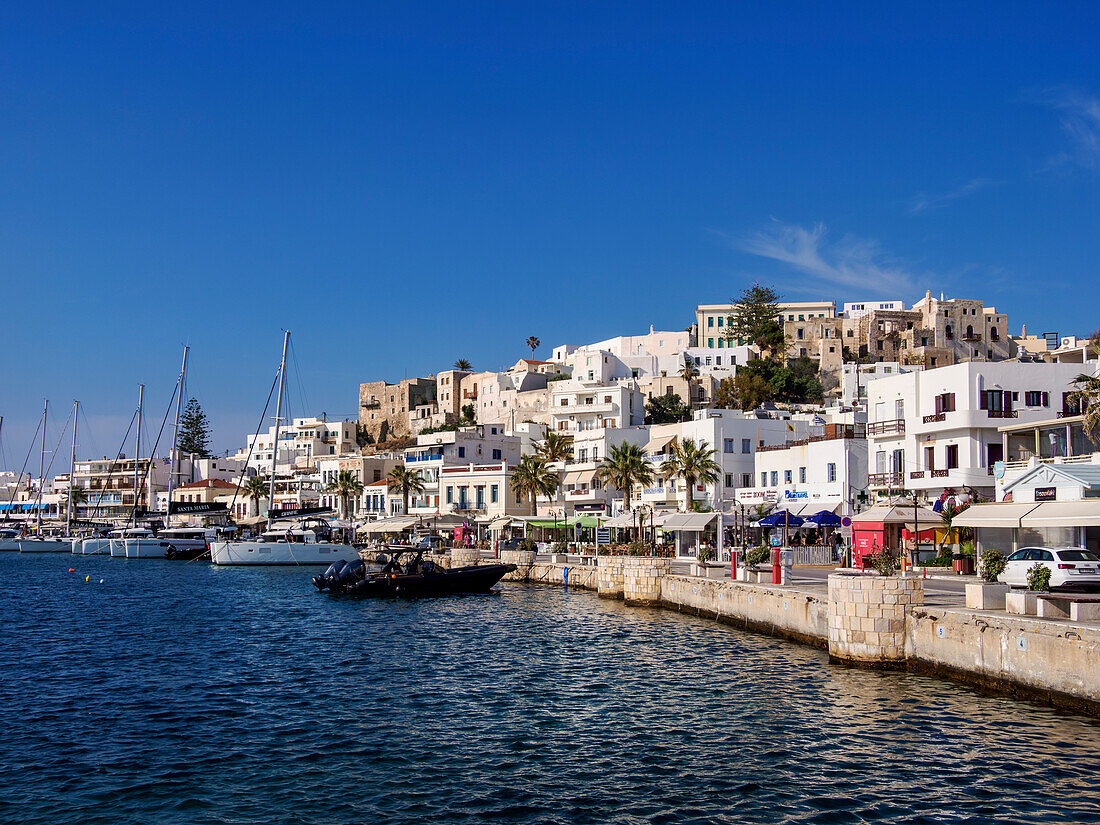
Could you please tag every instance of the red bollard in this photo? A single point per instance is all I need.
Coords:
(733, 564)
(777, 572)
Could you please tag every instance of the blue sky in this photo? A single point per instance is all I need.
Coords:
(405, 184)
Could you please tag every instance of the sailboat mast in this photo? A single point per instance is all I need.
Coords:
(278, 418)
(175, 439)
(41, 467)
(137, 451)
(72, 469)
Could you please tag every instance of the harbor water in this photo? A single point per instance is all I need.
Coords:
(166, 692)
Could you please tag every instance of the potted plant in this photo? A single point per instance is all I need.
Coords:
(558, 552)
(1026, 602)
(884, 562)
(755, 559)
(988, 594)
(702, 556)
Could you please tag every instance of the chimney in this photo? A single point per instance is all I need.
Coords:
(1023, 331)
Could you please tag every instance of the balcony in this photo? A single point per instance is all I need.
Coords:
(885, 479)
(917, 474)
(1004, 413)
(970, 337)
(932, 419)
(896, 425)
(940, 473)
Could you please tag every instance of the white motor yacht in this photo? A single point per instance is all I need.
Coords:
(46, 544)
(118, 539)
(298, 545)
(173, 543)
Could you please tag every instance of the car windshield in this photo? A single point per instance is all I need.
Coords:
(1077, 555)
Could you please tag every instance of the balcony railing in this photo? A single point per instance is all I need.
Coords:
(932, 419)
(885, 479)
(940, 473)
(971, 336)
(896, 425)
(1068, 413)
(1003, 413)
(917, 474)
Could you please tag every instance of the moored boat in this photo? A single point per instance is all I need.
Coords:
(294, 546)
(418, 578)
(9, 540)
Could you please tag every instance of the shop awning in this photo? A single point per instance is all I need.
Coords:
(572, 521)
(579, 477)
(993, 515)
(1083, 513)
(621, 520)
(390, 525)
(689, 522)
(500, 522)
(899, 512)
(655, 445)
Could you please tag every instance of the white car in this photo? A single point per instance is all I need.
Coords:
(1070, 567)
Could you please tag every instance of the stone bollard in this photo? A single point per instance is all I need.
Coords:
(522, 559)
(867, 617)
(465, 557)
(642, 579)
(609, 576)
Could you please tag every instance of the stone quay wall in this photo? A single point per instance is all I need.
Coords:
(642, 578)
(609, 578)
(867, 617)
(465, 557)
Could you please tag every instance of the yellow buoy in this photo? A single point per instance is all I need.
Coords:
(87, 578)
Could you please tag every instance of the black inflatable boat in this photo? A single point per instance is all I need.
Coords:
(416, 578)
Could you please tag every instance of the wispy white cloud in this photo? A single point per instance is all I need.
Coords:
(925, 201)
(848, 262)
(1080, 118)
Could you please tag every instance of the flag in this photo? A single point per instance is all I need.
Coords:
(790, 428)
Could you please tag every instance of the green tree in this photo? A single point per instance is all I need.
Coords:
(383, 431)
(666, 409)
(463, 365)
(78, 497)
(725, 397)
(532, 478)
(1085, 398)
(533, 343)
(407, 481)
(194, 434)
(469, 413)
(693, 463)
(555, 447)
(756, 319)
(345, 485)
(256, 488)
(624, 467)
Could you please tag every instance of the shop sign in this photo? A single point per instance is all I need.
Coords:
(1046, 493)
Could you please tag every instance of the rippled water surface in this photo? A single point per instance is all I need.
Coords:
(181, 693)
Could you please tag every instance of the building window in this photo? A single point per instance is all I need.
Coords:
(710, 343)
(720, 320)
(450, 495)
(801, 475)
(461, 452)
(746, 446)
(746, 479)
(710, 321)
(496, 455)
(786, 476)
(727, 446)
(831, 472)
(952, 456)
(729, 479)
(1035, 398)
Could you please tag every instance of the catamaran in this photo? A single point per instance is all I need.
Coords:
(51, 542)
(300, 544)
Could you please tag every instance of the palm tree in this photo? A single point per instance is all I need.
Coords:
(692, 462)
(407, 481)
(624, 467)
(256, 488)
(1086, 398)
(532, 478)
(78, 497)
(463, 365)
(555, 447)
(533, 343)
(689, 373)
(345, 485)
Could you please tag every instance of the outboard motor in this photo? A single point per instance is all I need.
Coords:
(350, 573)
(329, 577)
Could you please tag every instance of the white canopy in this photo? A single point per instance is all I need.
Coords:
(396, 524)
(993, 515)
(655, 445)
(690, 522)
(621, 520)
(1083, 513)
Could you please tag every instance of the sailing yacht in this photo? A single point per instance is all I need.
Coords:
(301, 544)
(52, 542)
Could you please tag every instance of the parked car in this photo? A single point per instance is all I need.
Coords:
(432, 544)
(1071, 568)
(512, 543)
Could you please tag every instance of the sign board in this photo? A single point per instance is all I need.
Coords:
(776, 541)
(846, 532)
(846, 522)
(178, 507)
(603, 535)
(1046, 493)
(577, 530)
(795, 494)
(299, 512)
(998, 469)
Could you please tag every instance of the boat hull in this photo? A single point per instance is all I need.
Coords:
(455, 582)
(9, 545)
(118, 548)
(261, 553)
(95, 547)
(151, 548)
(45, 546)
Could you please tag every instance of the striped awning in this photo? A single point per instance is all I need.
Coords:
(689, 522)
